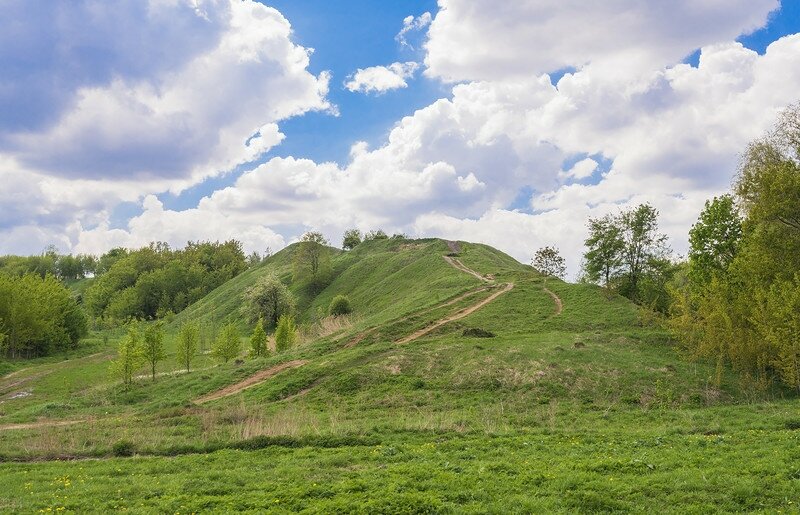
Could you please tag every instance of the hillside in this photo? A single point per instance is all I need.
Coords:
(404, 408)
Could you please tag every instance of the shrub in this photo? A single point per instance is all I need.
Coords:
(123, 448)
(285, 334)
(477, 332)
(340, 305)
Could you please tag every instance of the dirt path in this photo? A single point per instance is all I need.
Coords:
(556, 299)
(460, 266)
(251, 381)
(456, 316)
(55, 366)
(41, 423)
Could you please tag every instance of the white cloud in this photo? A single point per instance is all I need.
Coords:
(380, 79)
(412, 24)
(489, 40)
(581, 170)
(160, 93)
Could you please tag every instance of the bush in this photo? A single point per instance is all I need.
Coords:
(285, 334)
(340, 305)
(476, 332)
(122, 448)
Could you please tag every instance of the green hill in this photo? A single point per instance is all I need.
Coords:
(464, 381)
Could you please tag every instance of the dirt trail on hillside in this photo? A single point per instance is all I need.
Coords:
(251, 381)
(460, 266)
(362, 335)
(41, 423)
(456, 316)
(556, 299)
(55, 366)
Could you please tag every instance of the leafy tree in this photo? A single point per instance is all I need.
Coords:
(340, 305)
(253, 259)
(549, 262)
(258, 340)
(285, 334)
(714, 239)
(644, 248)
(312, 260)
(603, 257)
(352, 237)
(227, 345)
(188, 338)
(748, 316)
(129, 356)
(268, 299)
(377, 234)
(153, 346)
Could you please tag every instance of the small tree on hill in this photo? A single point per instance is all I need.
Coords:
(312, 262)
(285, 334)
(268, 299)
(549, 262)
(227, 345)
(258, 340)
(340, 305)
(377, 234)
(129, 357)
(153, 346)
(352, 237)
(603, 257)
(188, 338)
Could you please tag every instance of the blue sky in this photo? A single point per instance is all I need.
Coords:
(144, 120)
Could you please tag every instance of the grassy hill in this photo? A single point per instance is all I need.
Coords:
(575, 403)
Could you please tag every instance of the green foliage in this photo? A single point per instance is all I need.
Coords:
(38, 316)
(153, 281)
(153, 346)
(352, 237)
(227, 345)
(376, 234)
(129, 356)
(312, 262)
(258, 340)
(268, 299)
(340, 305)
(746, 314)
(603, 257)
(626, 252)
(714, 240)
(285, 334)
(548, 262)
(186, 348)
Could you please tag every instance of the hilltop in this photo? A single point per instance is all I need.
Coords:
(464, 380)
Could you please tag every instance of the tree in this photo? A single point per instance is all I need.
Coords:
(603, 257)
(340, 305)
(129, 356)
(285, 334)
(253, 259)
(258, 340)
(153, 346)
(268, 299)
(714, 239)
(549, 262)
(644, 248)
(188, 339)
(352, 237)
(376, 234)
(312, 260)
(227, 345)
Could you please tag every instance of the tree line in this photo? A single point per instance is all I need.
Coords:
(735, 299)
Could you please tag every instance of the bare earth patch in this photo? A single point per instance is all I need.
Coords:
(251, 381)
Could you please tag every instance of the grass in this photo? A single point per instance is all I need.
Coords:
(589, 410)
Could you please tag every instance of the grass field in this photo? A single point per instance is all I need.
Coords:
(589, 409)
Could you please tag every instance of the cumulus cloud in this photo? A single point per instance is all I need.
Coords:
(162, 93)
(672, 133)
(412, 24)
(487, 40)
(380, 79)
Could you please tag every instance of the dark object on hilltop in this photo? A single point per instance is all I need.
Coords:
(476, 332)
